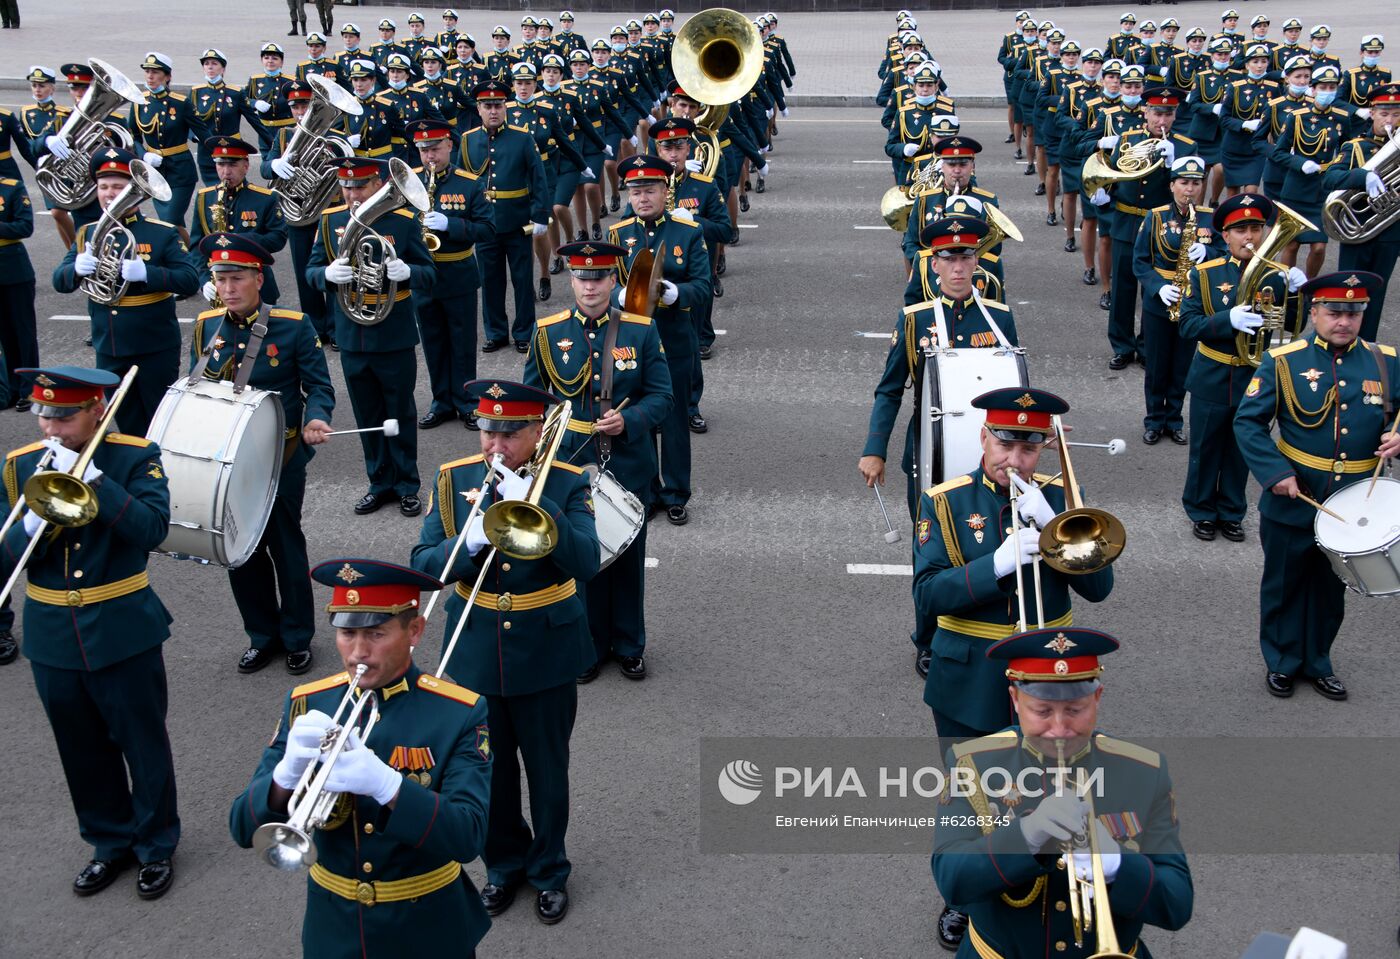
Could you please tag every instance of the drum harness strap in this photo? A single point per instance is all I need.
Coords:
(245, 369)
(944, 341)
(603, 440)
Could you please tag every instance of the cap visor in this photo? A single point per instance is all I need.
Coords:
(359, 620)
(1059, 692)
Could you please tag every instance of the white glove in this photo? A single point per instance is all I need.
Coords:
(435, 220)
(1169, 295)
(768, 114)
(1109, 856)
(1161, 71)
(85, 264)
(786, 114)
(397, 270)
(971, 202)
(1296, 278)
(209, 292)
(1244, 319)
(763, 172)
(354, 141)
(512, 485)
(1031, 503)
(1167, 150)
(1108, 143)
(33, 522)
(1311, 944)
(360, 772)
(154, 159)
(58, 147)
(632, 139)
(1311, 166)
(1252, 125)
(538, 229)
(134, 270)
(1197, 252)
(339, 271)
(910, 149)
(63, 458)
(1375, 186)
(283, 168)
(1217, 108)
(1364, 113)
(476, 535)
(262, 106)
(695, 166)
(682, 214)
(303, 748)
(588, 174)
(607, 150)
(1016, 551)
(1100, 197)
(1054, 820)
(669, 293)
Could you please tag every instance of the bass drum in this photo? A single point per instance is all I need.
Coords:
(223, 454)
(619, 515)
(1365, 550)
(950, 427)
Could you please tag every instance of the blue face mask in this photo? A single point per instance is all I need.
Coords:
(1318, 51)
(1042, 43)
(925, 101)
(1324, 99)
(619, 47)
(353, 46)
(1231, 30)
(159, 89)
(216, 79)
(1131, 99)
(1111, 96)
(551, 87)
(1370, 61)
(665, 28)
(1149, 41)
(1297, 90)
(1218, 65)
(397, 84)
(1125, 30)
(272, 73)
(1258, 74)
(45, 101)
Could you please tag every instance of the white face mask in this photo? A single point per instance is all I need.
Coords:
(216, 79)
(1220, 64)
(397, 84)
(550, 87)
(1258, 74)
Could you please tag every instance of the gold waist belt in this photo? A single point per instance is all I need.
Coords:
(1325, 465)
(580, 426)
(506, 602)
(85, 597)
(994, 631)
(393, 890)
(1229, 359)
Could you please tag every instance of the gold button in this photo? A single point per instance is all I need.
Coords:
(1344, 431)
(77, 574)
(1060, 946)
(1342, 456)
(506, 625)
(1060, 906)
(1341, 382)
(369, 828)
(368, 867)
(77, 545)
(1344, 406)
(1009, 531)
(1060, 863)
(505, 567)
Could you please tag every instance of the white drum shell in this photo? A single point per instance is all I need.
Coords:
(223, 455)
(949, 438)
(1365, 550)
(618, 514)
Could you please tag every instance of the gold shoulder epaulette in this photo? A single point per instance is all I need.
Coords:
(568, 467)
(160, 222)
(286, 314)
(258, 189)
(952, 484)
(690, 223)
(317, 685)
(701, 178)
(465, 461)
(1120, 747)
(996, 304)
(1387, 350)
(1287, 348)
(627, 222)
(641, 320)
(25, 449)
(554, 318)
(206, 189)
(334, 209)
(177, 96)
(982, 192)
(1186, 138)
(913, 308)
(1209, 263)
(123, 439)
(8, 181)
(383, 100)
(450, 690)
(1002, 740)
(465, 174)
(1205, 209)
(209, 314)
(518, 129)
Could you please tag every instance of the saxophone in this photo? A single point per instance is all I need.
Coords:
(1182, 277)
(219, 215)
(430, 239)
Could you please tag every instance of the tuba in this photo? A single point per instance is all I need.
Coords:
(716, 58)
(113, 243)
(999, 230)
(1250, 347)
(1354, 216)
(69, 183)
(1137, 161)
(314, 152)
(369, 296)
(707, 149)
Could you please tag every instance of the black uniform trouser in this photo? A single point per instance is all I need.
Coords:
(1123, 337)
(18, 334)
(381, 387)
(705, 330)
(297, 8)
(616, 613)
(533, 729)
(326, 10)
(1167, 356)
(447, 327)
(672, 487)
(1216, 472)
(279, 565)
(511, 251)
(311, 300)
(108, 722)
(157, 371)
(9, 12)
(1301, 601)
(1377, 257)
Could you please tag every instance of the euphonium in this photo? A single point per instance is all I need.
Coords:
(113, 243)
(369, 296)
(1134, 163)
(999, 229)
(314, 152)
(1181, 279)
(430, 239)
(717, 56)
(69, 183)
(1354, 216)
(1251, 347)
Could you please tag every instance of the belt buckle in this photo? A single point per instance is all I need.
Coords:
(491, 194)
(365, 894)
(1339, 466)
(504, 602)
(74, 597)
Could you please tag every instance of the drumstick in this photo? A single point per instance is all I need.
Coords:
(616, 409)
(1312, 502)
(390, 428)
(1380, 465)
(892, 536)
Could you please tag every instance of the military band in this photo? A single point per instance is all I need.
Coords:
(162, 128)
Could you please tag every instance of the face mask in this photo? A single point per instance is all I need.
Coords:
(1149, 41)
(1219, 65)
(1317, 51)
(272, 73)
(45, 101)
(352, 46)
(665, 29)
(1370, 61)
(551, 87)
(1125, 30)
(1131, 99)
(397, 84)
(925, 101)
(1043, 44)
(1230, 30)
(431, 76)
(1257, 74)
(525, 99)
(159, 89)
(1297, 90)
(1111, 96)
(216, 79)
(1325, 99)
(619, 47)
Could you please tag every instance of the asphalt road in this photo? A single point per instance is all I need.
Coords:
(756, 629)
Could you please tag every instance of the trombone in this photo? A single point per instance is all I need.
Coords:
(61, 498)
(287, 845)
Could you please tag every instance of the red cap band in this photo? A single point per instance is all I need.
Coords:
(491, 95)
(674, 133)
(1019, 420)
(954, 150)
(299, 94)
(431, 134)
(1163, 100)
(241, 257)
(113, 166)
(65, 395)
(1344, 294)
(1244, 213)
(358, 172)
(950, 240)
(238, 151)
(601, 261)
(645, 173)
(1387, 97)
(373, 599)
(512, 410)
(1054, 670)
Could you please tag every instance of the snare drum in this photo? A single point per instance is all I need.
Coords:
(949, 442)
(1365, 550)
(619, 515)
(223, 454)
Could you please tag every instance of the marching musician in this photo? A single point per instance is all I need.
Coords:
(378, 132)
(1059, 69)
(1310, 141)
(1359, 82)
(316, 63)
(986, 278)
(596, 98)
(1376, 255)
(679, 244)
(267, 94)
(446, 97)
(1165, 249)
(236, 206)
(956, 157)
(526, 639)
(624, 349)
(162, 127)
(350, 38)
(1006, 863)
(1073, 120)
(1296, 77)
(141, 329)
(385, 47)
(19, 337)
(286, 358)
(459, 219)
(1333, 396)
(41, 121)
(1206, 102)
(379, 360)
(93, 631)
(910, 134)
(1101, 118)
(414, 789)
(1006, 56)
(1211, 315)
(588, 144)
(409, 102)
(446, 39)
(220, 110)
(1290, 47)
(1244, 108)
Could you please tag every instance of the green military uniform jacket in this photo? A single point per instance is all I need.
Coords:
(566, 358)
(529, 628)
(929, 207)
(380, 128)
(16, 226)
(958, 527)
(923, 279)
(90, 604)
(459, 196)
(912, 126)
(510, 169)
(1358, 82)
(144, 321)
(328, 67)
(1330, 407)
(1308, 135)
(165, 123)
(255, 212)
(1217, 374)
(1133, 198)
(219, 110)
(1016, 900)
(1158, 248)
(385, 876)
(686, 259)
